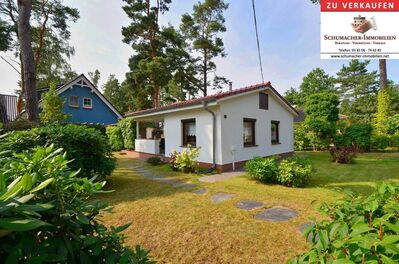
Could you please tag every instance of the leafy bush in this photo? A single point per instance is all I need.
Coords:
(154, 161)
(263, 169)
(395, 141)
(128, 130)
(379, 142)
(393, 125)
(186, 161)
(301, 140)
(100, 127)
(47, 214)
(294, 171)
(344, 155)
(360, 136)
(360, 230)
(115, 138)
(87, 147)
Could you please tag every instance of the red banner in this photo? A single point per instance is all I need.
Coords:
(360, 5)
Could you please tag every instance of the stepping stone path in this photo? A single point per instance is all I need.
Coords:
(249, 205)
(221, 197)
(277, 214)
(200, 191)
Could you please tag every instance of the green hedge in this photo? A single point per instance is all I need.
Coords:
(115, 138)
(88, 149)
(128, 130)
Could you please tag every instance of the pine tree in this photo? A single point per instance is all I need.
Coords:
(357, 88)
(148, 67)
(203, 28)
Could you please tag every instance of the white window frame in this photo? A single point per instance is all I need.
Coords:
(77, 101)
(91, 103)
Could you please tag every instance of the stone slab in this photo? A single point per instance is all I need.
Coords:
(200, 191)
(277, 214)
(248, 205)
(221, 197)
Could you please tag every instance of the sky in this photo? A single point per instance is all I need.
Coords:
(289, 32)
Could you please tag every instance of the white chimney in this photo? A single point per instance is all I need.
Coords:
(230, 86)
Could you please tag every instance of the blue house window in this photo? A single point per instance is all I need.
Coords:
(73, 101)
(87, 103)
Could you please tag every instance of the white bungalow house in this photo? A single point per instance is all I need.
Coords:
(230, 127)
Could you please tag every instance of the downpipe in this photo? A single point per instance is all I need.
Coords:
(205, 106)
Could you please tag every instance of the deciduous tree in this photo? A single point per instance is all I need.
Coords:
(317, 81)
(52, 107)
(322, 114)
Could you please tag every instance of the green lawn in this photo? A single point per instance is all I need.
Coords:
(181, 227)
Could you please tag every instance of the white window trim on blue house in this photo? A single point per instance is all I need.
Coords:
(87, 103)
(84, 82)
(70, 104)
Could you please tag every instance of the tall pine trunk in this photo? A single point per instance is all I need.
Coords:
(383, 74)
(28, 61)
(205, 73)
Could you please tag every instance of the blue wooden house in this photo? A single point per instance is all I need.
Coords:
(85, 103)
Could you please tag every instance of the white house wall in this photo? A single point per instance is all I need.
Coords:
(236, 109)
(203, 123)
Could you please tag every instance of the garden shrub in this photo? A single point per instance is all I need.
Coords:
(154, 161)
(301, 139)
(359, 230)
(48, 214)
(395, 141)
(360, 136)
(263, 169)
(128, 130)
(100, 127)
(186, 161)
(88, 149)
(393, 125)
(294, 172)
(19, 124)
(379, 142)
(115, 138)
(344, 155)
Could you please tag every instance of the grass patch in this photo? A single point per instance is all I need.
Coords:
(181, 227)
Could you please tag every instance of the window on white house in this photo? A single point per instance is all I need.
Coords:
(275, 132)
(263, 101)
(73, 101)
(189, 132)
(87, 103)
(249, 132)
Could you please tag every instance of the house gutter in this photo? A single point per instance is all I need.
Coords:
(205, 106)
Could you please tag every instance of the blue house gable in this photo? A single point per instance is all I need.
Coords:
(85, 103)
